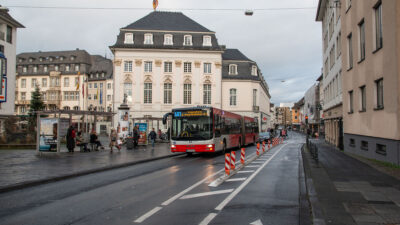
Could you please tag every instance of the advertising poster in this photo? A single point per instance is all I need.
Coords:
(123, 123)
(64, 125)
(48, 134)
(142, 132)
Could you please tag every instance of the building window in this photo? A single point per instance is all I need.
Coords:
(348, 4)
(148, 93)
(361, 28)
(66, 82)
(332, 56)
(33, 83)
(23, 109)
(24, 69)
(23, 95)
(339, 45)
(45, 69)
(44, 82)
(378, 26)
(35, 69)
(187, 40)
(187, 67)
(67, 68)
(207, 67)
(233, 69)
(76, 67)
(72, 58)
(352, 143)
(76, 108)
(148, 39)
(187, 94)
(44, 96)
(380, 149)
(128, 66)
(51, 59)
(109, 86)
(167, 93)
(56, 68)
(95, 85)
(108, 97)
(61, 58)
(90, 85)
(168, 67)
(351, 102)
(254, 97)
(148, 66)
(67, 108)
(128, 91)
(232, 98)
(254, 70)
(207, 94)
(379, 93)
(363, 99)
(350, 51)
(168, 39)
(9, 34)
(89, 96)
(364, 145)
(207, 41)
(128, 38)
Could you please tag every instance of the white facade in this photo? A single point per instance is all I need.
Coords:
(157, 105)
(310, 104)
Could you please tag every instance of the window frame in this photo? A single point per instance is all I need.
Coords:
(128, 66)
(363, 99)
(207, 68)
(167, 93)
(187, 67)
(207, 41)
(379, 98)
(148, 39)
(187, 94)
(207, 94)
(167, 67)
(168, 39)
(235, 71)
(378, 26)
(128, 39)
(233, 97)
(361, 33)
(148, 67)
(351, 102)
(350, 54)
(187, 40)
(148, 93)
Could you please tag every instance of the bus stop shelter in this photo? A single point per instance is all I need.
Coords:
(52, 126)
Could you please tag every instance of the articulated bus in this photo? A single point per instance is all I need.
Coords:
(208, 129)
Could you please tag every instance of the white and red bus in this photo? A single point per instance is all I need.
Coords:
(208, 129)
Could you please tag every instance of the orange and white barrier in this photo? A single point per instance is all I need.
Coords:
(227, 163)
(281, 140)
(269, 144)
(233, 160)
(258, 149)
(242, 156)
(263, 146)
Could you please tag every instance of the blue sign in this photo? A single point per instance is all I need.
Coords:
(178, 114)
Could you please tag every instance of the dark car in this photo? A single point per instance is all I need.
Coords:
(265, 136)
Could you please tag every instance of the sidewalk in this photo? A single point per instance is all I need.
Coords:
(22, 168)
(343, 190)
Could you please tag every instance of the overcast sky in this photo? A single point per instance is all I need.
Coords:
(286, 44)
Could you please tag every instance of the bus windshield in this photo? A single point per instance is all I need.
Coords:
(192, 128)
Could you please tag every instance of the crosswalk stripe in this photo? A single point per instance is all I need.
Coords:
(207, 194)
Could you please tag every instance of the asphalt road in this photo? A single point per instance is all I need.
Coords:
(170, 191)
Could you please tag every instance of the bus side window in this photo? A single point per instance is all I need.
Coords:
(217, 122)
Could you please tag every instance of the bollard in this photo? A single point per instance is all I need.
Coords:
(233, 160)
(263, 146)
(281, 140)
(258, 149)
(242, 156)
(227, 163)
(269, 144)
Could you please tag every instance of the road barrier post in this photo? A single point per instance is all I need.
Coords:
(227, 164)
(269, 144)
(263, 146)
(258, 149)
(242, 156)
(233, 160)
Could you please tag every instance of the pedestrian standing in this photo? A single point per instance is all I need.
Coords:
(152, 137)
(113, 139)
(71, 139)
(135, 136)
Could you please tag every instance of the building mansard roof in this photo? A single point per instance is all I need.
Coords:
(161, 23)
(7, 18)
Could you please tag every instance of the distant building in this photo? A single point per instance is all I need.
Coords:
(284, 116)
(371, 87)
(166, 60)
(328, 14)
(310, 108)
(8, 43)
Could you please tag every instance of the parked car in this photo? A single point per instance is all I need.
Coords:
(264, 136)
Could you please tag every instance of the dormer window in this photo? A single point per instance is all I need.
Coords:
(20, 60)
(97, 75)
(72, 58)
(232, 69)
(207, 41)
(67, 68)
(128, 38)
(61, 58)
(51, 59)
(40, 59)
(254, 70)
(168, 39)
(148, 39)
(187, 40)
(102, 74)
(24, 69)
(30, 60)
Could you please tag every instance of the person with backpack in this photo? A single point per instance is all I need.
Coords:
(152, 137)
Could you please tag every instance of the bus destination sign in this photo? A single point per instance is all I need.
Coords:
(190, 113)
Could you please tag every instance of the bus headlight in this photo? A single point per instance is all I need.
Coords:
(173, 146)
(209, 146)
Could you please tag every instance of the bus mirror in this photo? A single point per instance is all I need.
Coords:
(165, 117)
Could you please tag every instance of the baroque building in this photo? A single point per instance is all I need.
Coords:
(166, 60)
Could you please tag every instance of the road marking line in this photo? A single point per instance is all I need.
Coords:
(257, 162)
(244, 184)
(250, 166)
(208, 219)
(207, 194)
(246, 171)
(147, 215)
(169, 201)
(237, 179)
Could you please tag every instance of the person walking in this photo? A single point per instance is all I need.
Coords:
(135, 136)
(152, 137)
(113, 139)
(71, 139)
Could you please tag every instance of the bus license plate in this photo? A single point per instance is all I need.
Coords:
(190, 150)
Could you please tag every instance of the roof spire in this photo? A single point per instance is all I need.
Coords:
(155, 4)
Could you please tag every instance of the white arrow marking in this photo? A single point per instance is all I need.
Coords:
(257, 222)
